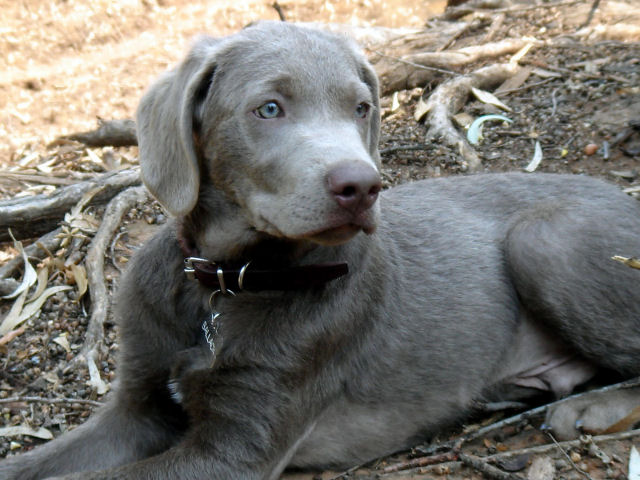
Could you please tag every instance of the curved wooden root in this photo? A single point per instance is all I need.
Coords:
(94, 262)
(450, 97)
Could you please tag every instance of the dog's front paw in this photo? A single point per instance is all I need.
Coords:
(595, 413)
(186, 362)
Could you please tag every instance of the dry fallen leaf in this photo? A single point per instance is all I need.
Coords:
(474, 133)
(42, 433)
(94, 378)
(12, 319)
(634, 464)
(535, 161)
(29, 277)
(63, 341)
(43, 278)
(632, 262)
(395, 104)
(422, 108)
(93, 156)
(519, 55)
(35, 304)
(80, 278)
(489, 98)
(18, 314)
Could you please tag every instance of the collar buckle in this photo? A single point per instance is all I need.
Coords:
(189, 268)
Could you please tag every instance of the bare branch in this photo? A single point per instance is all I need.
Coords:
(28, 217)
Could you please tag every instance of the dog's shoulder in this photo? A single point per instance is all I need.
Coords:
(156, 266)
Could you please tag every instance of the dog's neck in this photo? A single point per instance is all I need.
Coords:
(250, 246)
(218, 230)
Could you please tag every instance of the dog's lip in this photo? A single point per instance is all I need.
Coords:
(341, 230)
(334, 235)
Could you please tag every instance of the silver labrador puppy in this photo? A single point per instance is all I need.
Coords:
(263, 145)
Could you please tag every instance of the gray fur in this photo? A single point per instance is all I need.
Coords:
(470, 289)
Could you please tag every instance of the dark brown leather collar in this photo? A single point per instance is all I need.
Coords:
(253, 278)
(250, 276)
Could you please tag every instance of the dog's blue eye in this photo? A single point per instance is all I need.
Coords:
(269, 110)
(362, 110)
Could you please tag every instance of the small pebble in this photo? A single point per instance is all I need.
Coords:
(575, 457)
(590, 149)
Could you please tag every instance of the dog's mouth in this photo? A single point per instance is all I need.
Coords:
(341, 233)
(335, 235)
(335, 230)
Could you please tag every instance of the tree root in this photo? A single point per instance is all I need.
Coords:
(94, 337)
(28, 217)
(450, 97)
(416, 70)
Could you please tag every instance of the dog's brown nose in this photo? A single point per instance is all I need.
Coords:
(355, 186)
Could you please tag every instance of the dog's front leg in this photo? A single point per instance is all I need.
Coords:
(245, 423)
(113, 436)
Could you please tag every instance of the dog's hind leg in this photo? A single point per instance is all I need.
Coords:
(560, 263)
(559, 260)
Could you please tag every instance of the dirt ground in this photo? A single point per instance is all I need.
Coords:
(66, 63)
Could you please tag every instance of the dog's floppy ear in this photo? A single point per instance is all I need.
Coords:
(369, 77)
(164, 126)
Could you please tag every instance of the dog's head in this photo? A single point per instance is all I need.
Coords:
(282, 120)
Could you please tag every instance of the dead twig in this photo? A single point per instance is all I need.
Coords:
(51, 401)
(487, 470)
(592, 12)
(94, 262)
(525, 87)
(524, 452)
(41, 179)
(414, 64)
(568, 457)
(278, 9)
(496, 24)
(421, 462)
(566, 444)
(399, 148)
(110, 133)
(7, 337)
